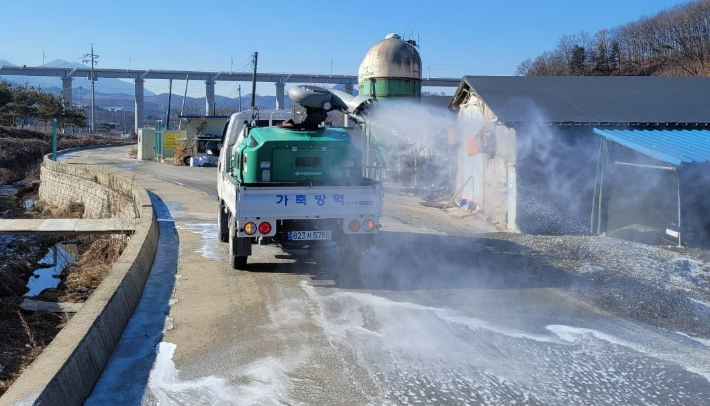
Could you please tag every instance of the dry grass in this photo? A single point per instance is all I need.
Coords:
(28, 331)
(5, 176)
(45, 210)
(182, 153)
(83, 277)
(26, 334)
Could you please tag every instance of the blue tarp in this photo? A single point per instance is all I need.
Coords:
(672, 146)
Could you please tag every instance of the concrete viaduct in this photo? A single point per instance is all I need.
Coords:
(139, 77)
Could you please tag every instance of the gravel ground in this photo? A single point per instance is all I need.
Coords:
(663, 285)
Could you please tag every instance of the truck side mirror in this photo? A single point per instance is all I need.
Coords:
(212, 148)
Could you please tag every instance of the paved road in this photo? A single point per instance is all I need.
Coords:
(432, 319)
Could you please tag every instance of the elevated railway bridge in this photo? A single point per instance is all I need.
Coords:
(139, 76)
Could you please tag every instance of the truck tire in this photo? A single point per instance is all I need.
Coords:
(236, 261)
(222, 223)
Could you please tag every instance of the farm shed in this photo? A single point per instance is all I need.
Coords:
(528, 151)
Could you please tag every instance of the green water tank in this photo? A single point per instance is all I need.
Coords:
(325, 156)
(392, 68)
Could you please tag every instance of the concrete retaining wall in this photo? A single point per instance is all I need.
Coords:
(102, 193)
(66, 371)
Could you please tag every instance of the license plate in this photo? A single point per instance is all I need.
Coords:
(309, 235)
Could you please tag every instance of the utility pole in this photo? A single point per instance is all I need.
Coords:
(182, 109)
(331, 67)
(92, 77)
(170, 97)
(240, 97)
(253, 82)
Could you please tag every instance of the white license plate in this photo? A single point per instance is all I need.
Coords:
(309, 235)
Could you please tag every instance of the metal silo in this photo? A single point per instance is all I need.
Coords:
(392, 68)
(390, 71)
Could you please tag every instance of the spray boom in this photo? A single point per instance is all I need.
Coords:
(318, 101)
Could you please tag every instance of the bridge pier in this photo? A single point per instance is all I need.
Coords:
(66, 90)
(279, 95)
(346, 118)
(139, 116)
(209, 98)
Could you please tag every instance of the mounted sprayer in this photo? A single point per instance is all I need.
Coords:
(315, 103)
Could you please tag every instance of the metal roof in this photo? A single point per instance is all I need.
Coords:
(672, 146)
(437, 101)
(601, 100)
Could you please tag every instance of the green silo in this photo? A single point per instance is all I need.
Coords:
(392, 68)
(390, 71)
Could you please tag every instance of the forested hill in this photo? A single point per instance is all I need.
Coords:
(673, 42)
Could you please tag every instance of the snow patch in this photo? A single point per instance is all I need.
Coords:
(699, 340)
(208, 231)
(422, 354)
(588, 268)
(574, 334)
(268, 380)
(700, 302)
(168, 389)
(693, 267)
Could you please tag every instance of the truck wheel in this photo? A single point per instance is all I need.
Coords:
(350, 249)
(222, 223)
(348, 273)
(236, 261)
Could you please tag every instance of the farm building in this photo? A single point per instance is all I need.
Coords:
(621, 156)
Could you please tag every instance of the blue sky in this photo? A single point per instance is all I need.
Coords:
(456, 37)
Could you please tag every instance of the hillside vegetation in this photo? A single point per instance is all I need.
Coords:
(673, 42)
(21, 150)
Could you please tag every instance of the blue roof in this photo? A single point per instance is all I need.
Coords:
(672, 146)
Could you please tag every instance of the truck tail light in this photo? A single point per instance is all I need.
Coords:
(265, 228)
(368, 225)
(250, 228)
(354, 226)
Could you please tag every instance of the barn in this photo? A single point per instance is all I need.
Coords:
(620, 156)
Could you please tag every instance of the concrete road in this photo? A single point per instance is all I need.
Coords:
(430, 318)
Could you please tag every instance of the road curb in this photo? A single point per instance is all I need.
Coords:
(66, 371)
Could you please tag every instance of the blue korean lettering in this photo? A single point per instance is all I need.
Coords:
(301, 199)
(282, 198)
(339, 198)
(320, 199)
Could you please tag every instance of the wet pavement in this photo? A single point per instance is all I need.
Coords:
(425, 317)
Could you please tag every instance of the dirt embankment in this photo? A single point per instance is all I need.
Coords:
(23, 334)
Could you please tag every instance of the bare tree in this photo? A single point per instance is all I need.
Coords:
(675, 41)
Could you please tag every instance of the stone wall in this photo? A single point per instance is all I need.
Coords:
(102, 194)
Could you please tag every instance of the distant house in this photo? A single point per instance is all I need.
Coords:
(554, 155)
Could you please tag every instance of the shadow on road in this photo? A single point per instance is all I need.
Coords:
(409, 261)
(126, 374)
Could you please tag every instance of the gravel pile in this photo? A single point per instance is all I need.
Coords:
(663, 285)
